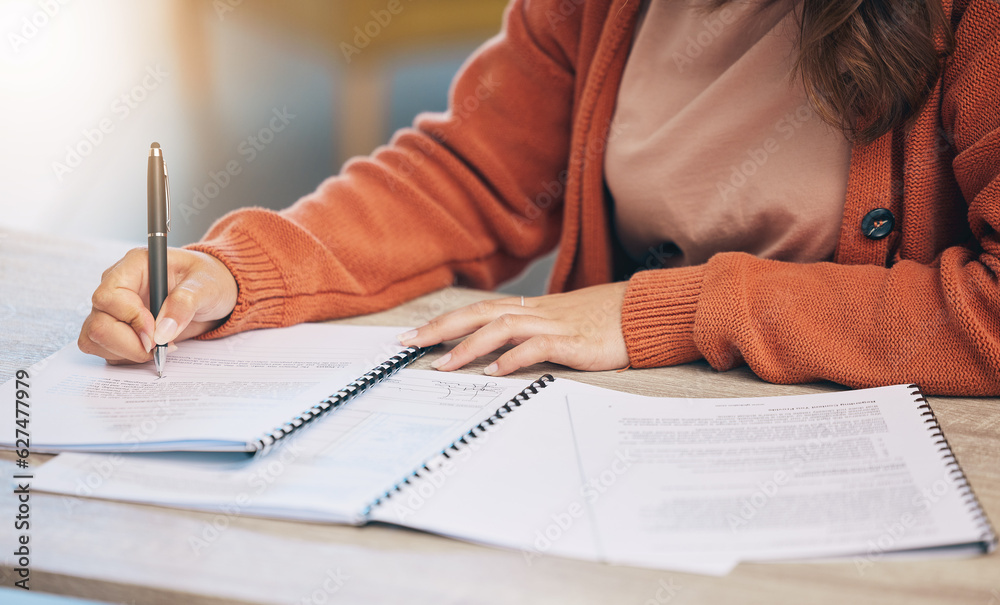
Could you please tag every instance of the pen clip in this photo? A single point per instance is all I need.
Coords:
(166, 189)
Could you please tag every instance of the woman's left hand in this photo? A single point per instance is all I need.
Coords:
(580, 329)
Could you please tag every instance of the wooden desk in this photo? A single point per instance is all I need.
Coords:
(140, 554)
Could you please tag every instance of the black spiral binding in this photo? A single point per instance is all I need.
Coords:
(969, 499)
(473, 433)
(376, 375)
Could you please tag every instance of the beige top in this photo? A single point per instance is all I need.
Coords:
(714, 146)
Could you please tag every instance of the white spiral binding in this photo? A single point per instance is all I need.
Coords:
(473, 433)
(968, 496)
(376, 375)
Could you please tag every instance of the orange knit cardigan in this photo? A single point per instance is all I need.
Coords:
(515, 168)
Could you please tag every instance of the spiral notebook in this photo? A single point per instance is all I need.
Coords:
(243, 393)
(562, 468)
(696, 484)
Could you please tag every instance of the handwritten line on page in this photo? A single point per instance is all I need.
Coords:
(329, 472)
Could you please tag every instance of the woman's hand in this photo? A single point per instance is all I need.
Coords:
(120, 328)
(580, 329)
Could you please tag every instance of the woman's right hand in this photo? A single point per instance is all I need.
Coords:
(120, 328)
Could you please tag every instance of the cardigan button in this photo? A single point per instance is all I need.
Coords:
(877, 223)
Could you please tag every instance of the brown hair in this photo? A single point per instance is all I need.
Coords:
(868, 65)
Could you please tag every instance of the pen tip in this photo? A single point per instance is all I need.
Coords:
(159, 374)
(154, 146)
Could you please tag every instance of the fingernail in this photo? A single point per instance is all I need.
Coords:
(146, 342)
(165, 329)
(171, 348)
(440, 361)
(491, 369)
(405, 336)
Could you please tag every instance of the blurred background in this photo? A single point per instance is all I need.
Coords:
(254, 102)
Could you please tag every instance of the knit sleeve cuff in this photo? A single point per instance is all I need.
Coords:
(262, 291)
(658, 316)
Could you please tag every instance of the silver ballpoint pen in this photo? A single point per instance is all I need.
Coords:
(158, 225)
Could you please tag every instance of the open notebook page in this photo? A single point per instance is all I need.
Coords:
(700, 484)
(521, 485)
(772, 478)
(215, 394)
(330, 471)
